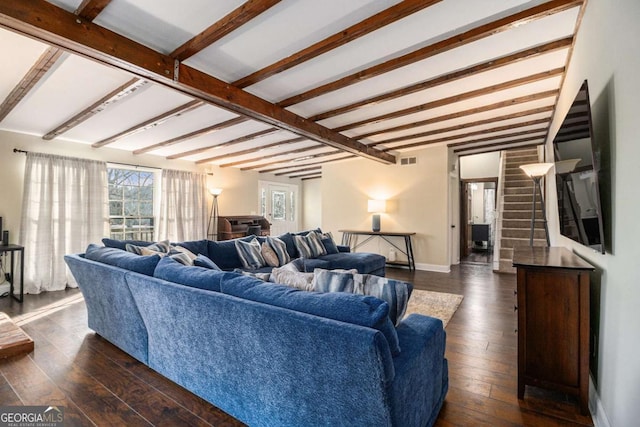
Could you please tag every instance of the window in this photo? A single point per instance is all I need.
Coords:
(131, 204)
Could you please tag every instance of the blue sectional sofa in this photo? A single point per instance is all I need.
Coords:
(267, 354)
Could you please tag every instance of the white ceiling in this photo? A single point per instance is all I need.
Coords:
(74, 83)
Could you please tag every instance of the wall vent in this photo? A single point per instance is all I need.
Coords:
(404, 161)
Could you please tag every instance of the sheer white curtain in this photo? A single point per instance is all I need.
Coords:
(64, 208)
(183, 206)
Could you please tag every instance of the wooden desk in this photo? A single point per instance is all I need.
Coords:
(350, 238)
(12, 249)
(553, 321)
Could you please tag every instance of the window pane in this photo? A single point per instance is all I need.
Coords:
(278, 205)
(131, 204)
(115, 208)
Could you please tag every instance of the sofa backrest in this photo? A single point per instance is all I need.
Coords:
(197, 277)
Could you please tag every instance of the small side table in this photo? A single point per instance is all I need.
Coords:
(13, 249)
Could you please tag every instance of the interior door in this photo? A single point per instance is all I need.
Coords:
(279, 204)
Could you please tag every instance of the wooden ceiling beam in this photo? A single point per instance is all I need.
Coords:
(476, 133)
(90, 9)
(312, 168)
(229, 23)
(362, 28)
(251, 150)
(502, 104)
(301, 158)
(535, 131)
(191, 135)
(455, 41)
(100, 105)
(270, 156)
(51, 24)
(350, 156)
(456, 98)
(504, 145)
(451, 77)
(467, 125)
(306, 174)
(312, 177)
(151, 123)
(234, 141)
(33, 76)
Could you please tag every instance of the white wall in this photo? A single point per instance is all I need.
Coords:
(311, 204)
(607, 54)
(478, 166)
(240, 188)
(417, 199)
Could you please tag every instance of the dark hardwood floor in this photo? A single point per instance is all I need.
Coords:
(98, 384)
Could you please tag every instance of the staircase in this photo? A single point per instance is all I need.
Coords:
(515, 208)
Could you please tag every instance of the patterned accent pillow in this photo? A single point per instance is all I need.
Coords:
(182, 258)
(269, 255)
(280, 248)
(158, 248)
(295, 279)
(249, 254)
(309, 246)
(334, 281)
(182, 249)
(260, 276)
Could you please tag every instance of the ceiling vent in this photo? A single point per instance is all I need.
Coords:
(405, 161)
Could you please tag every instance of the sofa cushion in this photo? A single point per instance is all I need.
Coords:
(203, 261)
(295, 279)
(181, 257)
(123, 259)
(395, 292)
(197, 277)
(159, 247)
(329, 244)
(122, 244)
(364, 262)
(356, 309)
(224, 253)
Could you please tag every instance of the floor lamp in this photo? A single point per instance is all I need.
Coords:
(212, 229)
(536, 171)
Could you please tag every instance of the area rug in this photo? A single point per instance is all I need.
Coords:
(434, 304)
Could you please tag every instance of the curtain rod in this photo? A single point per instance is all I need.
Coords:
(17, 150)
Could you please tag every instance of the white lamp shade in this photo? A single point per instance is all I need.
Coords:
(536, 169)
(215, 191)
(377, 206)
(566, 166)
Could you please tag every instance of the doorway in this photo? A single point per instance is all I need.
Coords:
(279, 205)
(477, 215)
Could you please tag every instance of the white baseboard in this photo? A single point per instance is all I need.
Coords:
(595, 406)
(434, 267)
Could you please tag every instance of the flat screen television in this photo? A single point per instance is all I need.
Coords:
(577, 166)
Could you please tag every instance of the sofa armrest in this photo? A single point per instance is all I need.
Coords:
(343, 248)
(421, 380)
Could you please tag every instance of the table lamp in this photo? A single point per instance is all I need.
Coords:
(376, 207)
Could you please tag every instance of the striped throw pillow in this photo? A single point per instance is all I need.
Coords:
(249, 254)
(310, 246)
(159, 247)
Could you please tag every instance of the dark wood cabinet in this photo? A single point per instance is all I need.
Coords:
(232, 227)
(553, 321)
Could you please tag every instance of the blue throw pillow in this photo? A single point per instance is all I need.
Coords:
(123, 259)
(224, 253)
(329, 244)
(203, 261)
(197, 277)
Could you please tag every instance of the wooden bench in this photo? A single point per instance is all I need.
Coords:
(13, 340)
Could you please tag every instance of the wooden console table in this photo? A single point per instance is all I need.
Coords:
(13, 249)
(350, 238)
(553, 321)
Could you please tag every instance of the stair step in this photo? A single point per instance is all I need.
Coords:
(517, 198)
(506, 266)
(506, 253)
(523, 233)
(522, 214)
(521, 223)
(518, 190)
(521, 206)
(515, 242)
(522, 183)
